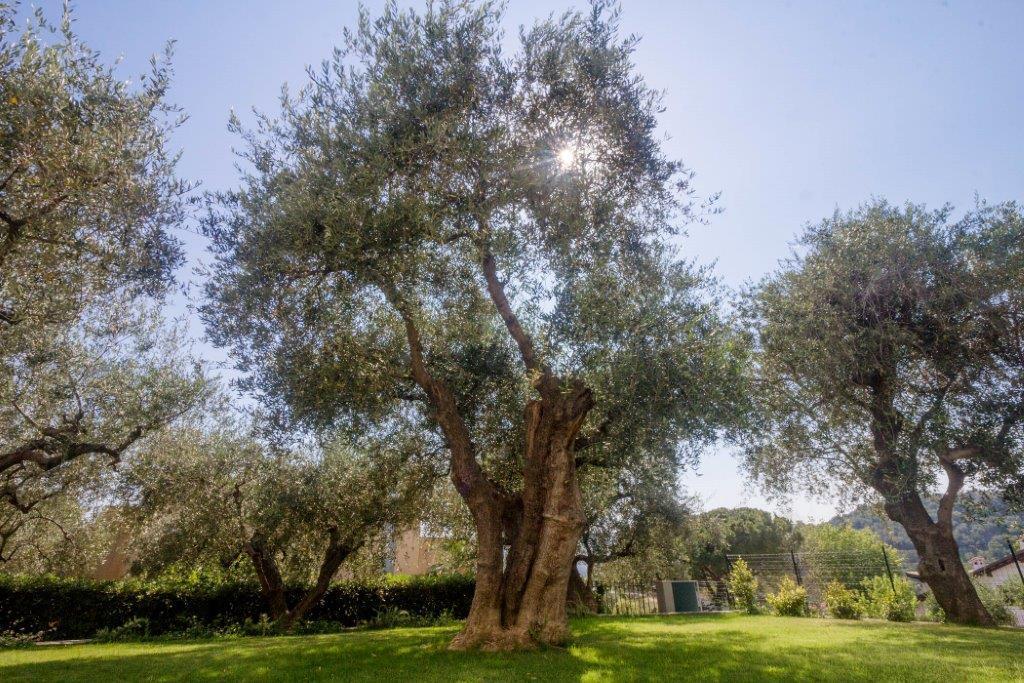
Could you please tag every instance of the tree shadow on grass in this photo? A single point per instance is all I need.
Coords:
(712, 649)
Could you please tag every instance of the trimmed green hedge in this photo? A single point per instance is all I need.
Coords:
(67, 608)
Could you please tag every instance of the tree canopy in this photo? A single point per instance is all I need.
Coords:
(890, 356)
(436, 235)
(87, 197)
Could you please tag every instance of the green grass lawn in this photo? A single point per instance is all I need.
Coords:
(706, 647)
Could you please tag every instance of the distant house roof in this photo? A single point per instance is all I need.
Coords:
(1001, 562)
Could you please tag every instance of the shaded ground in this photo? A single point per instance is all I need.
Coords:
(713, 648)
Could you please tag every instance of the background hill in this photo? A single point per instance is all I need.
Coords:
(981, 525)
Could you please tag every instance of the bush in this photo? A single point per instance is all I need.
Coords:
(843, 603)
(1013, 593)
(880, 602)
(743, 586)
(790, 600)
(67, 608)
(136, 628)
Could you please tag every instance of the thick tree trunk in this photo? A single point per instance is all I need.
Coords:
(939, 564)
(581, 598)
(522, 602)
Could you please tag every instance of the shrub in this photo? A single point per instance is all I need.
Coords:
(66, 608)
(881, 602)
(843, 603)
(1013, 593)
(790, 600)
(743, 586)
(136, 628)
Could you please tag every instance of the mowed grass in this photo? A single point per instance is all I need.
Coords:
(702, 647)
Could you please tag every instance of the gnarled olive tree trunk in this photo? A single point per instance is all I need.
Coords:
(939, 562)
(272, 585)
(520, 598)
(581, 598)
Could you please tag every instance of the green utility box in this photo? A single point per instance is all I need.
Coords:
(676, 597)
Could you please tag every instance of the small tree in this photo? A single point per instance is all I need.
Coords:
(714, 534)
(847, 554)
(890, 354)
(636, 520)
(789, 599)
(843, 602)
(895, 601)
(743, 586)
(213, 496)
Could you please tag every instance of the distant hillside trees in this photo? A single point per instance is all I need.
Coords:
(982, 525)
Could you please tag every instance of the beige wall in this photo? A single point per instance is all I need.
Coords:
(414, 553)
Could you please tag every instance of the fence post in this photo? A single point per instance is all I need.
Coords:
(796, 569)
(888, 569)
(1013, 554)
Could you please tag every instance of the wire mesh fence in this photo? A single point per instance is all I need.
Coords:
(815, 570)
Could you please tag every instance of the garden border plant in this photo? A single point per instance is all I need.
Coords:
(54, 608)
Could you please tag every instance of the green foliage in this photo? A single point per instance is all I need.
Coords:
(860, 549)
(743, 587)
(64, 608)
(887, 341)
(843, 602)
(789, 600)
(880, 602)
(981, 525)
(414, 199)
(995, 602)
(88, 195)
(1013, 593)
(136, 628)
(716, 533)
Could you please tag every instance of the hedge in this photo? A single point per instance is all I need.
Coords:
(68, 608)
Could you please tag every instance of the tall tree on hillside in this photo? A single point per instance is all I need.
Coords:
(87, 194)
(434, 229)
(890, 353)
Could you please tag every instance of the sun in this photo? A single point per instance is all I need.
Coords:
(566, 157)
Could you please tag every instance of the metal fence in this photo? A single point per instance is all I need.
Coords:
(638, 598)
(815, 570)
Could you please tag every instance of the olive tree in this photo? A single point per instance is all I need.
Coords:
(483, 241)
(634, 514)
(87, 194)
(890, 357)
(202, 496)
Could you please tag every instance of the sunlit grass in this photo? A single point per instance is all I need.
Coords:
(715, 648)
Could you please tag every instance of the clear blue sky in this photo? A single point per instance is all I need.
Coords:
(790, 109)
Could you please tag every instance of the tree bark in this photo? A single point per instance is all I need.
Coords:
(519, 599)
(581, 598)
(522, 602)
(272, 585)
(939, 562)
